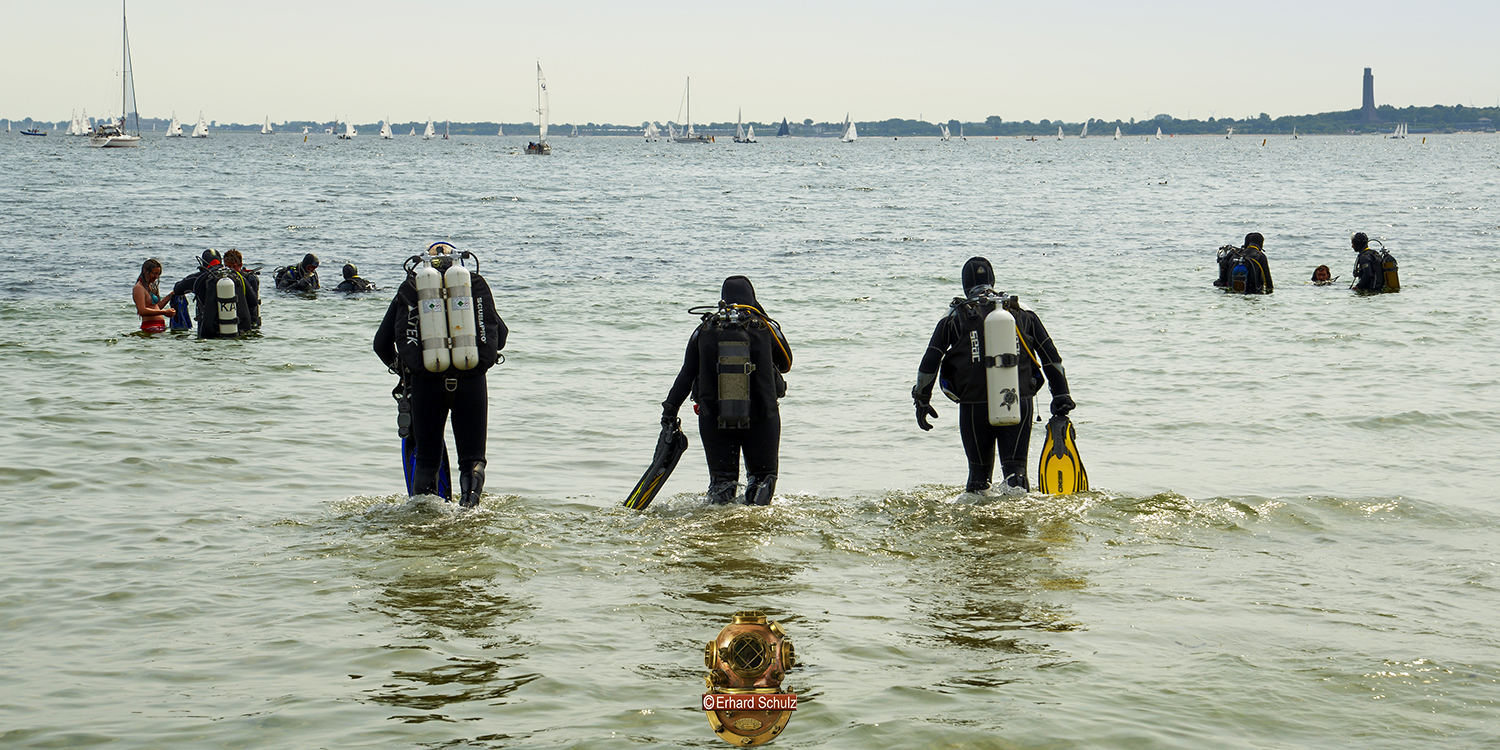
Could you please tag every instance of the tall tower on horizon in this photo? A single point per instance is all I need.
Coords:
(1367, 110)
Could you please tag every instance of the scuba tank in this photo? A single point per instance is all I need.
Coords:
(1239, 275)
(733, 367)
(432, 321)
(229, 315)
(1002, 367)
(1389, 276)
(458, 287)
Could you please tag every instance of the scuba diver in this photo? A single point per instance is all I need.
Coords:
(1245, 270)
(251, 276)
(973, 350)
(1374, 270)
(302, 277)
(732, 368)
(441, 334)
(1322, 276)
(222, 298)
(154, 309)
(353, 282)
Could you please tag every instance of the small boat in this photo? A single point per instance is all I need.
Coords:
(349, 132)
(1399, 132)
(540, 147)
(34, 130)
(1230, 134)
(1158, 133)
(413, 130)
(851, 134)
(961, 132)
(446, 123)
(687, 135)
(784, 131)
(385, 130)
(174, 128)
(574, 134)
(944, 129)
(201, 129)
(1294, 132)
(651, 134)
(429, 132)
(1117, 132)
(500, 130)
(1059, 133)
(266, 128)
(1085, 132)
(740, 135)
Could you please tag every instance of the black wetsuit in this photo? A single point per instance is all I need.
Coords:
(950, 353)
(435, 395)
(252, 293)
(295, 279)
(355, 284)
(1369, 271)
(203, 286)
(1258, 270)
(760, 440)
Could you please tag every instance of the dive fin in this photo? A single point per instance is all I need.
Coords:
(409, 465)
(1060, 470)
(670, 446)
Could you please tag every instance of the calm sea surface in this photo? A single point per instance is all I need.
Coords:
(1291, 542)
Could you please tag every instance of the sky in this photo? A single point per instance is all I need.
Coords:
(628, 62)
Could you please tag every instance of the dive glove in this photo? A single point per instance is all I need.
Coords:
(925, 410)
(1061, 405)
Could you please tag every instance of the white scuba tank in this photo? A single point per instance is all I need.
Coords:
(229, 312)
(432, 320)
(1002, 369)
(461, 329)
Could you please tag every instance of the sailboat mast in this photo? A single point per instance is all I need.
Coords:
(689, 97)
(124, 65)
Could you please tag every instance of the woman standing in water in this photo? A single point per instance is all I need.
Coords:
(149, 304)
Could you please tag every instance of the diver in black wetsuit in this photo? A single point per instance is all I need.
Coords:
(951, 353)
(302, 277)
(1255, 268)
(733, 368)
(1369, 275)
(203, 284)
(433, 396)
(353, 282)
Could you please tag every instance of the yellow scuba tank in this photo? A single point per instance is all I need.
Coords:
(1391, 278)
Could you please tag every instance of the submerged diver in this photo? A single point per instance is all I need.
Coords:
(302, 277)
(955, 351)
(1322, 276)
(353, 282)
(441, 334)
(223, 311)
(1245, 270)
(732, 368)
(154, 309)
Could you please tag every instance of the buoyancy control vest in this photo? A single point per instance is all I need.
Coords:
(989, 361)
(451, 324)
(738, 382)
(1239, 272)
(223, 311)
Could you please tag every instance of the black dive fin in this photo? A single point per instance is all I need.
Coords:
(1060, 470)
(670, 446)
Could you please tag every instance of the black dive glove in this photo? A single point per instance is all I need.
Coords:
(924, 410)
(1061, 405)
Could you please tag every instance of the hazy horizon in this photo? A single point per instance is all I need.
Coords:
(469, 61)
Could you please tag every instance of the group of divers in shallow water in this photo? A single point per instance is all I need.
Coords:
(442, 332)
(1245, 270)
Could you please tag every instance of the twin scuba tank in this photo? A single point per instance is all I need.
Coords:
(445, 306)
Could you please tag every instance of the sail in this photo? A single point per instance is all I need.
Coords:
(500, 130)
(851, 134)
(784, 129)
(174, 130)
(429, 132)
(1158, 133)
(385, 129)
(1059, 133)
(1085, 132)
(750, 132)
(201, 129)
(541, 104)
(266, 128)
(128, 95)
(944, 128)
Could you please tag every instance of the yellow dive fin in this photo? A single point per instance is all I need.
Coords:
(1060, 470)
(669, 447)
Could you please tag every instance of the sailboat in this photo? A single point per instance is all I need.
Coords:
(740, 136)
(429, 132)
(385, 130)
(1399, 132)
(112, 135)
(1230, 134)
(1117, 132)
(201, 129)
(850, 133)
(651, 134)
(1059, 133)
(574, 134)
(784, 131)
(446, 124)
(500, 130)
(687, 135)
(944, 129)
(174, 128)
(413, 130)
(1158, 133)
(1294, 132)
(266, 128)
(961, 132)
(1085, 132)
(349, 132)
(540, 147)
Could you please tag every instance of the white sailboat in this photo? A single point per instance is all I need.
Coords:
(201, 129)
(446, 124)
(1059, 133)
(961, 132)
(851, 134)
(687, 135)
(540, 147)
(750, 134)
(174, 129)
(385, 130)
(1399, 132)
(429, 132)
(111, 134)
(1230, 134)
(500, 130)
(1158, 133)
(349, 132)
(740, 135)
(266, 128)
(413, 130)
(944, 129)
(1117, 132)
(651, 134)
(1294, 132)
(1085, 132)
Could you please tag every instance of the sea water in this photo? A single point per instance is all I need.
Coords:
(1290, 541)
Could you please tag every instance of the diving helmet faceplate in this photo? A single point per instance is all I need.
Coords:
(745, 702)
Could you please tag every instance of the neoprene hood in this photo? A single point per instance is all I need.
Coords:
(978, 272)
(1255, 239)
(738, 291)
(1360, 240)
